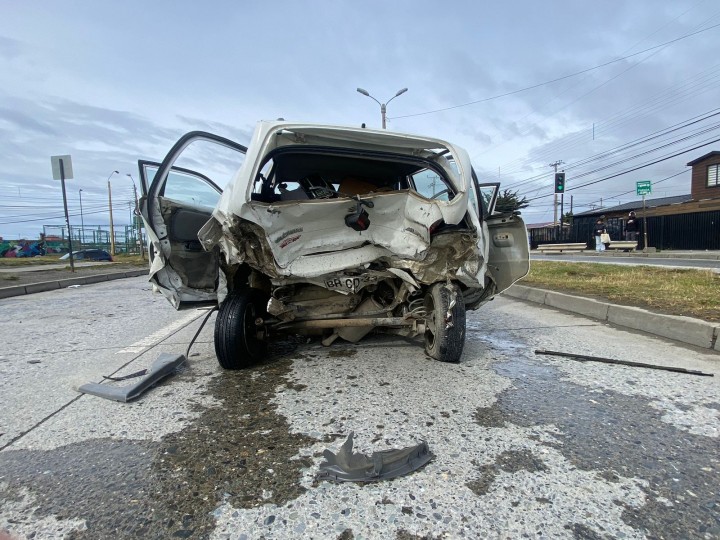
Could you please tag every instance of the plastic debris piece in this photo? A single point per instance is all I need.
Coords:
(346, 466)
(166, 364)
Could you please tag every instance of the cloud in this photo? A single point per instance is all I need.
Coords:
(10, 49)
(20, 120)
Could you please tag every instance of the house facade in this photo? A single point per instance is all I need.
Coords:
(705, 181)
(689, 221)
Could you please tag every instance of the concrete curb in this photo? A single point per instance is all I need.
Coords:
(19, 290)
(685, 329)
(655, 255)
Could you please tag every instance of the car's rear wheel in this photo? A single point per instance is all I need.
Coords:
(237, 344)
(444, 322)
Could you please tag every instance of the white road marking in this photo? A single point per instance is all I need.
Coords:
(161, 334)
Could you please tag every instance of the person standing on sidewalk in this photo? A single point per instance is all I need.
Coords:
(631, 228)
(599, 231)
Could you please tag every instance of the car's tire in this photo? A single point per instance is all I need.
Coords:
(444, 325)
(237, 345)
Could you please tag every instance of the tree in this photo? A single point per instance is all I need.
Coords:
(508, 201)
(568, 218)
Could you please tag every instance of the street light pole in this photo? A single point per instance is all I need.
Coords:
(383, 106)
(112, 230)
(138, 227)
(82, 222)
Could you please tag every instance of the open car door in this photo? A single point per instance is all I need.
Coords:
(509, 251)
(176, 203)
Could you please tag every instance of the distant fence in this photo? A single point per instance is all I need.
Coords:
(92, 236)
(697, 230)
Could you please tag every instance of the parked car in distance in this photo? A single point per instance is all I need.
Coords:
(330, 231)
(88, 255)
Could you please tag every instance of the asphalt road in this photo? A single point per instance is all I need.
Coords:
(633, 261)
(525, 445)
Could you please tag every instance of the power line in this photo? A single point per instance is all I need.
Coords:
(636, 142)
(558, 78)
(59, 216)
(685, 151)
(663, 100)
(634, 191)
(615, 76)
(646, 152)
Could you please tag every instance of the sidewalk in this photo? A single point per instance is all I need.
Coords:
(684, 329)
(19, 290)
(40, 267)
(712, 255)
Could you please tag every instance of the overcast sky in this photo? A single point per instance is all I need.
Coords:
(114, 82)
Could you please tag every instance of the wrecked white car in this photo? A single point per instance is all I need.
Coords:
(329, 231)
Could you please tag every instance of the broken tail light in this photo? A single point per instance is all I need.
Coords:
(359, 220)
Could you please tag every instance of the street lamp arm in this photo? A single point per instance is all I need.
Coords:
(366, 93)
(399, 93)
(383, 106)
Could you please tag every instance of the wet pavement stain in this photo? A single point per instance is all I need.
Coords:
(103, 480)
(342, 353)
(583, 532)
(239, 453)
(616, 434)
(510, 461)
(405, 535)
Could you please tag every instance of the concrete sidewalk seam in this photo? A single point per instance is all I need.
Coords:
(679, 328)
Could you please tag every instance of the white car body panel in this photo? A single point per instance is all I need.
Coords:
(307, 241)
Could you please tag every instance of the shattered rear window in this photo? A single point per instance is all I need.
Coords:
(293, 175)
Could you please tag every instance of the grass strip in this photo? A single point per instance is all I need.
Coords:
(694, 293)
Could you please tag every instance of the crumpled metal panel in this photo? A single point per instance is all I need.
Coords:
(291, 234)
(348, 466)
(166, 364)
(454, 255)
(399, 223)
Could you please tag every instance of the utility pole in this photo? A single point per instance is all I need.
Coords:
(555, 203)
(112, 230)
(82, 221)
(136, 219)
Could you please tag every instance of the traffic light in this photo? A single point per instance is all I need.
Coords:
(559, 182)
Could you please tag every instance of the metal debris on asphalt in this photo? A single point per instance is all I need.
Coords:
(347, 466)
(586, 358)
(165, 365)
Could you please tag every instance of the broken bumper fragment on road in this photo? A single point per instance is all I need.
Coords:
(165, 365)
(346, 466)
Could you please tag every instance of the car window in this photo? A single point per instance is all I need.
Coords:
(487, 198)
(187, 188)
(430, 184)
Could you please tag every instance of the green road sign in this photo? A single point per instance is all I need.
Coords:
(644, 187)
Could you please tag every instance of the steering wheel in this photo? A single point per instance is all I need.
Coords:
(440, 193)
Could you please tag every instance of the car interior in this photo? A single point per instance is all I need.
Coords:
(302, 175)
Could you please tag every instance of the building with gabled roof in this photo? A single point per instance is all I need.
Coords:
(690, 221)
